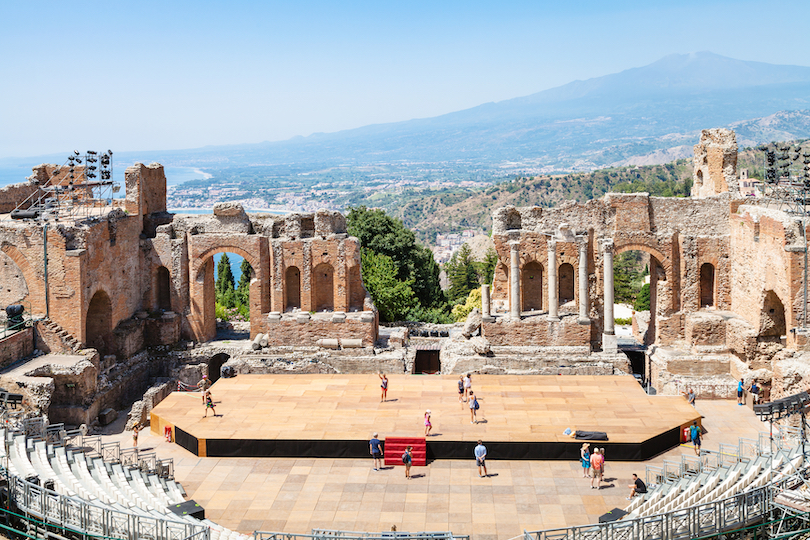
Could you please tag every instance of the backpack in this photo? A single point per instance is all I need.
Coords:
(475, 403)
(694, 431)
(406, 458)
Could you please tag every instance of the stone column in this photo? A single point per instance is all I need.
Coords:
(583, 281)
(485, 306)
(609, 344)
(553, 286)
(514, 279)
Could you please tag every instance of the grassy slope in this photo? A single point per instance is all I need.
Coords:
(451, 212)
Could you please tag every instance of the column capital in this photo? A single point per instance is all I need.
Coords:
(607, 245)
(551, 245)
(514, 245)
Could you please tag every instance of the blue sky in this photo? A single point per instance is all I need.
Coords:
(174, 74)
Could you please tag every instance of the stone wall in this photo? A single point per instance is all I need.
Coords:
(16, 346)
(303, 328)
(537, 331)
(715, 163)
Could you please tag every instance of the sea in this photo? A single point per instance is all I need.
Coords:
(174, 175)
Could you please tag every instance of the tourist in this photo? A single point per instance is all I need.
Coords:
(375, 449)
(467, 386)
(428, 425)
(740, 390)
(755, 392)
(135, 431)
(690, 397)
(695, 431)
(596, 465)
(407, 459)
(203, 385)
(461, 397)
(209, 404)
(585, 459)
(473, 408)
(383, 387)
(637, 487)
(480, 454)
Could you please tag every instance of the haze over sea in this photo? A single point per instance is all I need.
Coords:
(174, 175)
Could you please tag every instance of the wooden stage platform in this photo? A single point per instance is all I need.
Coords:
(521, 416)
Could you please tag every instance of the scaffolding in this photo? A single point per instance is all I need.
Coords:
(82, 187)
(787, 186)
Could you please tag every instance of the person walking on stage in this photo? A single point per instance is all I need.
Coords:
(375, 449)
(585, 459)
(428, 425)
(407, 459)
(467, 386)
(480, 454)
(740, 390)
(461, 398)
(695, 432)
(637, 487)
(383, 387)
(209, 404)
(596, 464)
(473, 408)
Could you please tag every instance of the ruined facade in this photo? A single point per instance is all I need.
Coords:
(725, 287)
(140, 276)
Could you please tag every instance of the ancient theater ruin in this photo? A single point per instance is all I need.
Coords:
(121, 302)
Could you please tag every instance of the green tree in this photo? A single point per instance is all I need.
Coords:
(225, 278)
(462, 273)
(486, 268)
(624, 274)
(394, 298)
(642, 302)
(413, 263)
(243, 289)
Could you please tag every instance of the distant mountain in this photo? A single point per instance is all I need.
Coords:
(581, 125)
(639, 115)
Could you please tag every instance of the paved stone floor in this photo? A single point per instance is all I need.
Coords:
(296, 495)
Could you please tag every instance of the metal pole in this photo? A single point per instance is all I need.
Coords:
(45, 257)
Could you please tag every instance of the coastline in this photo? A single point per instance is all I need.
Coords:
(210, 210)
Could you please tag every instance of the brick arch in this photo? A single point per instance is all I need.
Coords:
(35, 283)
(203, 257)
(663, 260)
(202, 316)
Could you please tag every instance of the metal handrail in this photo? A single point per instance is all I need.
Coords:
(684, 523)
(60, 510)
(323, 534)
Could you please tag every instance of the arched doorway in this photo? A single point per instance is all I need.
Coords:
(565, 277)
(292, 285)
(232, 277)
(98, 324)
(772, 317)
(323, 293)
(163, 289)
(532, 286)
(706, 285)
(215, 366)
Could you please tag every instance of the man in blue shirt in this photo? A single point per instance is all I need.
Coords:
(376, 451)
(740, 388)
(480, 453)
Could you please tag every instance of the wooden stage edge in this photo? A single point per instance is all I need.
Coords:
(333, 416)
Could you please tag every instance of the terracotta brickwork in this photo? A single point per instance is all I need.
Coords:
(538, 331)
(16, 346)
